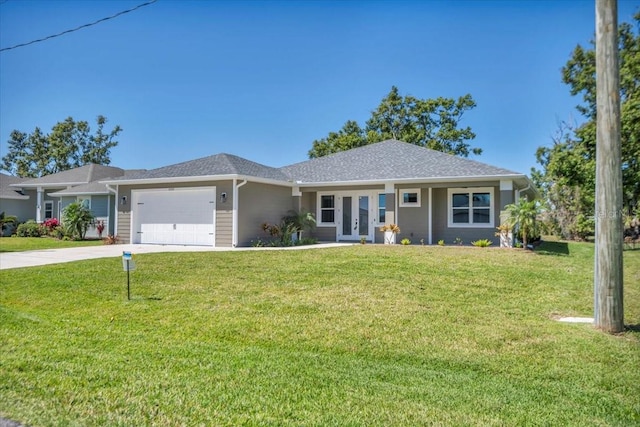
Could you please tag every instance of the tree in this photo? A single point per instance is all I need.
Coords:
(524, 215)
(76, 219)
(568, 166)
(70, 144)
(432, 123)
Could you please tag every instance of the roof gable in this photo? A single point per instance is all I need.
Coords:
(389, 160)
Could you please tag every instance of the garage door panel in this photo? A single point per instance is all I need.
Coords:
(180, 217)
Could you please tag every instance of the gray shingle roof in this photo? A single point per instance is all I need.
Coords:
(389, 160)
(219, 164)
(81, 175)
(84, 189)
(7, 192)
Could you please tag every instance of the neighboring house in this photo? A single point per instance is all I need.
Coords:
(14, 200)
(223, 199)
(52, 193)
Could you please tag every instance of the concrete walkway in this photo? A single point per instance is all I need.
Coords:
(55, 256)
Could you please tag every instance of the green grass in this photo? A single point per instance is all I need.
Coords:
(19, 244)
(363, 335)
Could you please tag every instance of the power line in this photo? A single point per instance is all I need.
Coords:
(78, 28)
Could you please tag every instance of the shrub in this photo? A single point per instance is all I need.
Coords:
(457, 241)
(51, 224)
(441, 242)
(482, 243)
(110, 239)
(405, 241)
(30, 229)
(77, 218)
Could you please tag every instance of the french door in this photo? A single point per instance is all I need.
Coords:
(356, 217)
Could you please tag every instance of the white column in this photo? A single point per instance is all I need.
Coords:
(430, 216)
(39, 205)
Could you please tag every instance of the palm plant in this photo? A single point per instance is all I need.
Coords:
(302, 221)
(77, 218)
(524, 215)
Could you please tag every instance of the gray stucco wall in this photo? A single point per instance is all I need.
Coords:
(414, 221)
(467, 234)
(260, 203)
(24, 210)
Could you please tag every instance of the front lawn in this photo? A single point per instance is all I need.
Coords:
(363, 335)
(19, 244)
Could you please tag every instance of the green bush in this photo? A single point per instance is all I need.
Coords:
(77, 218)
(30, 229)
(482, 243)
(405, 241)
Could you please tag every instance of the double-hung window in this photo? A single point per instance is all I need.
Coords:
(327, 209)
(471, 207)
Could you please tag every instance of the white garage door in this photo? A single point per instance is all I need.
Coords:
(175, 217)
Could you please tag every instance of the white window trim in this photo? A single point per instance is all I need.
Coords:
(403, 191)
(44, 210)
(319, 209)
(470, 190)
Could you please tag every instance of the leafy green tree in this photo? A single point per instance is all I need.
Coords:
(432, 123)
(70, 144)
(568, 165)
(76, 219)
(524, 216)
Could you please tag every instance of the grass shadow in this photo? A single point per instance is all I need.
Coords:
(553, 248)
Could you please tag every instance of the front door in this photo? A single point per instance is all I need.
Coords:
(355, 218)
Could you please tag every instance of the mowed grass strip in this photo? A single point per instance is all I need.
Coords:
(364, 335)
(21, 244)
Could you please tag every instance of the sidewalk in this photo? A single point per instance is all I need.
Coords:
(10, 260)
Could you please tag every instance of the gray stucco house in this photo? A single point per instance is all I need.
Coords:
(223, 199)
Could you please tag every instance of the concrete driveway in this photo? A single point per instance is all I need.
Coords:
(55, 256)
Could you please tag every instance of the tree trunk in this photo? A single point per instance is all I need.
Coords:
(608, 306)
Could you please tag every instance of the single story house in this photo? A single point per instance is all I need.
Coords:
(222, 200)
(50, 194)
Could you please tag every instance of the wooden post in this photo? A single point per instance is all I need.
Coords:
(608, 304)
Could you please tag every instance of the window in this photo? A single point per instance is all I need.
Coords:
(85, 201)
(327, 209)
(48, 209)
(382, 208)
(410, 198)
(471, 207)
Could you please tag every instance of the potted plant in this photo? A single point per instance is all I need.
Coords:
(390, 231)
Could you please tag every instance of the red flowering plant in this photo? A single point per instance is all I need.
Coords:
(100, 228)
(51, 223)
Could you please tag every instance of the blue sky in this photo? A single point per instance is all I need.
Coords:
(262, 80)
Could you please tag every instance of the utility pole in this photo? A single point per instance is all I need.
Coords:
(608, 303)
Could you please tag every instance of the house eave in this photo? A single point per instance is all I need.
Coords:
(79, 193)
(200, 178)
(49, 186)
(401, 181)
(16, 197)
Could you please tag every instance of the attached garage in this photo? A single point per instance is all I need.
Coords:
(174, 216)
